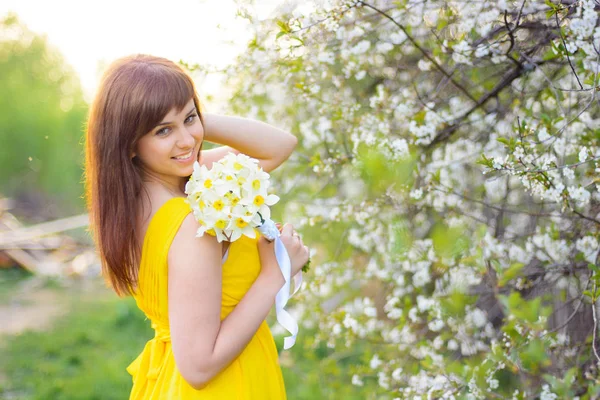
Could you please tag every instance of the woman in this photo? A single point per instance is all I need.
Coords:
(207, 301)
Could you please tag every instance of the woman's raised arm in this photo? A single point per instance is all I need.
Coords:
(269, 145)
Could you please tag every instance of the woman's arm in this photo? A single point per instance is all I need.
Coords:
(203, 345)
(269, 145)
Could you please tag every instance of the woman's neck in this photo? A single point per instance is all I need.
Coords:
(175, 189)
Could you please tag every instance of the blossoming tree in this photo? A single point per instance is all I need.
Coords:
(447, 177)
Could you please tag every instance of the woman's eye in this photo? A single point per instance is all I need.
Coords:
(164, 131)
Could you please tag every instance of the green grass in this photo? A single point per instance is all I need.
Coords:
(9, 278)
(84, 355)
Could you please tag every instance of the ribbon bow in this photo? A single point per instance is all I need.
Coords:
(270, 231)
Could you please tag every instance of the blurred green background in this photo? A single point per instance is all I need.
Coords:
(42, 114)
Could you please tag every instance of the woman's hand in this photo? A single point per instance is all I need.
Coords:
(296, 249)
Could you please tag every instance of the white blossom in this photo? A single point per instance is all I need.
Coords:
(583, 154)
(357, 381)
(424, 65)
(547, 394)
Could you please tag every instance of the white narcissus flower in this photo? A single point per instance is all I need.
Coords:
(259, 203)
(202, 179)
(238, 164)
(222, 186)
(257, 182)
(201, 218)
(242, 219)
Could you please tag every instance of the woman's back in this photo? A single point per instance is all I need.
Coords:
(255, 374)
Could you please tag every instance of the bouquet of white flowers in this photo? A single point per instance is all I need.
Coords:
(230, 200)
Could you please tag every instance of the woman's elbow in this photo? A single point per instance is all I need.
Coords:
(196, 378)
(284, 150)
(294, 142)
(199, 385)
(197, 382)
(289, 147)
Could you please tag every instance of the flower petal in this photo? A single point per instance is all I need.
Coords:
(271, 199)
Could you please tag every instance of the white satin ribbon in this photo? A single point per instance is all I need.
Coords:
(270, 231)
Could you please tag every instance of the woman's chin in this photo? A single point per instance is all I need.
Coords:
(185, 172)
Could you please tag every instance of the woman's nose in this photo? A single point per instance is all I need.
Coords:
(185, 139)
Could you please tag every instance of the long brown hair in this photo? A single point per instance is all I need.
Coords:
(136, 92)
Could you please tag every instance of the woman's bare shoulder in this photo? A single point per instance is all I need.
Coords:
(186, 245)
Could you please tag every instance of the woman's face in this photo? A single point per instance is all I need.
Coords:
(169, 150)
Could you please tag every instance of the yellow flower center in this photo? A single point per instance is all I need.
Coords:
(256, 184)
(259, 200)
(237, 166)
(208, 183)
(241, 180)
(229, 178)
(218, 205)
(201, 204)
(221, 224)
(235, 200)
(240, 223)
(211, 232)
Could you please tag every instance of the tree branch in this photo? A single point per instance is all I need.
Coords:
(422, 50)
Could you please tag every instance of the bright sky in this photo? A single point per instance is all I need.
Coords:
(91, 34)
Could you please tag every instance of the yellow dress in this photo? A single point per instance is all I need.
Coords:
(254, 375)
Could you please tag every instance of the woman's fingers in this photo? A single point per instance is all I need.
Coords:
(288, 229)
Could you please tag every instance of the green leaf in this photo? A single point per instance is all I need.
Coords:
(442, 23)
(551, 5)
(485, 161)
(306, 266)
(420, 117)
(550, 55)
(534, 356)
(510, 273)
(454, 305)
(449, 242)
(284, 26)
(527, 310)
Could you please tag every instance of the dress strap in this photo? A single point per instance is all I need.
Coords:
(170, 216)
(166, 221)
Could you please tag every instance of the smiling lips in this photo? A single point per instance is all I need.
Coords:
(184, 156)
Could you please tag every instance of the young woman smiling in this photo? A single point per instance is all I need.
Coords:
(207, 301)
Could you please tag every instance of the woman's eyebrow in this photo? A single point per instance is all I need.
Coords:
(169, 123)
